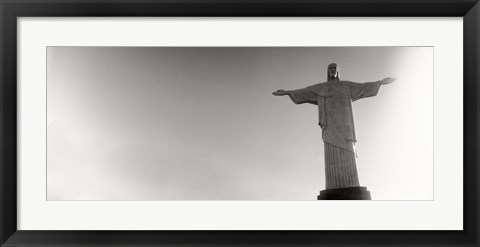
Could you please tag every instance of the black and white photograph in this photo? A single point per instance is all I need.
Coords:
(240, 123)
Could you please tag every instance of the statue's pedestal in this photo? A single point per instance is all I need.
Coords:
(350, 193)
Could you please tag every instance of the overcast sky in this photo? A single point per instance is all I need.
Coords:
(165, 123)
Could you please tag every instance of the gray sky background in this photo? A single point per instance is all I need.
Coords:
(201, 123)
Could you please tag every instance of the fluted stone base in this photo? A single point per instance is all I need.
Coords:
(349, 193)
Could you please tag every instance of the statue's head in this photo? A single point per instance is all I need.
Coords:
(332, 72)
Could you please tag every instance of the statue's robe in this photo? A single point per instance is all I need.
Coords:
(335, 117)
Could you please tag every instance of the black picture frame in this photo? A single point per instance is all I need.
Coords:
(10, 10)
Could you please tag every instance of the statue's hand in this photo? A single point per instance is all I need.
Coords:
(280, 92)
(387, 80)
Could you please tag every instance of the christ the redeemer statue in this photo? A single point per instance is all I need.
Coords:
(334, 99)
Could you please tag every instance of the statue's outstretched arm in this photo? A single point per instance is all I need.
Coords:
(367, 89)
(299, 96)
